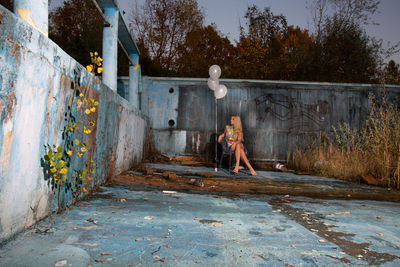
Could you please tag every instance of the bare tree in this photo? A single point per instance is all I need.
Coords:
(356, 11)
(345, 11)
(318, 9)
(162, 25)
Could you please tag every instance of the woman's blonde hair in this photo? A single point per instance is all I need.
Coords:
(237, 125)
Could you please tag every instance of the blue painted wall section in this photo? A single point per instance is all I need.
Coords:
(38, 83)
(277, 116)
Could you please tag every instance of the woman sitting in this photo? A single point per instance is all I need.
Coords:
(234, 135)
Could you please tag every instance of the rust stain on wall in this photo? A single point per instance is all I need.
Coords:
(6, 148)
(112, 162)
(15, 50)
(11, 100)
(1, 16)
(50, 101)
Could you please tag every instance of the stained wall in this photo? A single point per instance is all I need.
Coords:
(39, 84)
(277, 116)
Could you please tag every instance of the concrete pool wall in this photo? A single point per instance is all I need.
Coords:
(39, 83)
(277, 116)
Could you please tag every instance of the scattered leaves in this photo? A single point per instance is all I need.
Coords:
(169, 192)
(60, 263)
(343, 212)
(91, 220)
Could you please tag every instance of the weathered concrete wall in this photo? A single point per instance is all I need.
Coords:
(276, 116)
(38, 84)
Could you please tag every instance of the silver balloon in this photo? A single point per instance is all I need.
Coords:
(212, 84)
(215, 72)
(220, 91)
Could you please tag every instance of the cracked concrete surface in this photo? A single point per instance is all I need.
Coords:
(126, 224)
(146, 227)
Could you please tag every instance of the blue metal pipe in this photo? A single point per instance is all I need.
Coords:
(110, 48)
(134, 72)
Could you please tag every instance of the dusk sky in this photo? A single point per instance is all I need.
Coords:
(227, 13)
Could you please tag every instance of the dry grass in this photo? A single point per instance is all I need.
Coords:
(349, 153)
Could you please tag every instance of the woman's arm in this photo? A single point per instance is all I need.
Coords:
(222, 135)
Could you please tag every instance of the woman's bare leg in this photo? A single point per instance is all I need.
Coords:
(237, 155)
(246, 161)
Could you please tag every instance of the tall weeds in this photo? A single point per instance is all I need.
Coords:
(350, 153)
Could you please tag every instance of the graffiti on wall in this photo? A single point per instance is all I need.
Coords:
(298, 115)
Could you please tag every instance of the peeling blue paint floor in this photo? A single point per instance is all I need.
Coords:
(140, 226)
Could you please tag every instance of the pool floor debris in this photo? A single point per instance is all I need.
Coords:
(145, 225)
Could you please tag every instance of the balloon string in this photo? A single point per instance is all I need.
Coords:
(216, 134)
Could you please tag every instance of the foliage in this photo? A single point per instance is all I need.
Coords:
(173, 41)
(205, 46)
(350, 153)
(381, 139)
(57, 166)
(9, 4)
(269, 49)
(296, 56)
(58, 159)
(77, 27)
(345, 53)
(162, 25)
(259, 48)
(391, 73)
(96, 64)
